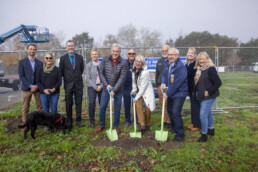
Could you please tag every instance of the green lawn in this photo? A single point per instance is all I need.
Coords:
(233, 148)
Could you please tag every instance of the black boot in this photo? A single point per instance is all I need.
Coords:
(203, 138)
(211, 132)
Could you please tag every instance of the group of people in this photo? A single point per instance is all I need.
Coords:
(123, 79)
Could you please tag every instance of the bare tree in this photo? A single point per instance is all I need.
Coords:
(127, 36)
(109, 40)
(150, 38)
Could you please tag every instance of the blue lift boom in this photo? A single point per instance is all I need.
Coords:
(27, 34)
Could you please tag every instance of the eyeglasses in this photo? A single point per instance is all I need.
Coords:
(48, 58)
(131, 53)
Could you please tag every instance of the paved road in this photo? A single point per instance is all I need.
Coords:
(8, 97)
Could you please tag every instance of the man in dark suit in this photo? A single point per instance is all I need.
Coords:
(72, 67)
(27, 73)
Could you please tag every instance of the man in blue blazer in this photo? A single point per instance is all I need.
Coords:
(72, 67)
(27, 70)
(175, 78)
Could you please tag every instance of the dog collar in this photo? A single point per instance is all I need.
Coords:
(60, 119)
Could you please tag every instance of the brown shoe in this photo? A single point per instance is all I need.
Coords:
(190, 126)
(100, 129)
(195, 129)
(117, 130)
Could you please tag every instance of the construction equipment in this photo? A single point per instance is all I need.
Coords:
(27, 34)
(135, 134)
(112, 134)
(162, 135)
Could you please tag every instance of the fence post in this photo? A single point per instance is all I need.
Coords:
(217, 66)
(84, 77)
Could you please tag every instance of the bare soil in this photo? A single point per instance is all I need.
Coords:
(12, 124)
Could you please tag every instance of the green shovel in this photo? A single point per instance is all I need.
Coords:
(112, 134)
(162, 135)
(135, 134)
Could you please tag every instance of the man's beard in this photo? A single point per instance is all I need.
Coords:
(165, 55)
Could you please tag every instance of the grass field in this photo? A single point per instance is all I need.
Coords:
(233, 148)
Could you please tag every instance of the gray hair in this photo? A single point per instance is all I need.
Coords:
(142, 59)
(115, 45)
(68, 41)
(48, 53)
(177, 51)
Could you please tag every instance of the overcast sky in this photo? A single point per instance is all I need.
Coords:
(234, 18)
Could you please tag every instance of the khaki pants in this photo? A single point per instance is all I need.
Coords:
(140, 114)
(166, 117)
(26, 103)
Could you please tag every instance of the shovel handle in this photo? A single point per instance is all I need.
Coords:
(109, 88)
(132, 96)
(162, 90)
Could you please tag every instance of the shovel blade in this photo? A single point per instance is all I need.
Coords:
(161, 135)
(112, 135)
(136, 134)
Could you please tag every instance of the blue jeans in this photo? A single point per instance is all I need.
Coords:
(105, 97)
(206, 115)
(127, 105)
(51, 100)
(174, 108)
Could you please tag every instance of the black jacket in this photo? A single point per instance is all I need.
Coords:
(209, 81)
(72, 77)
(190, 77)
(49, 80)
(128, 80)
(159, 71)
(113, 75)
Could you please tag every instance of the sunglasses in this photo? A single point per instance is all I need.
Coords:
(48, 58)
(131, 53)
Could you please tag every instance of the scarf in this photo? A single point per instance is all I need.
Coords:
(199, 71)
(48, 69)
(137, 74)
(97, 74)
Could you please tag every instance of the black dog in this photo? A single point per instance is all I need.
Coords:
(52, 120)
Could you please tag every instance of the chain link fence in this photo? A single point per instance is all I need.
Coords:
(237, 68)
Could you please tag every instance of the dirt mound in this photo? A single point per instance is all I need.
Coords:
(12, 125)
(128, 143)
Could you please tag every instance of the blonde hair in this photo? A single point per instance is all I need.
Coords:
(92, 50)
(194, 50)
(206, 55)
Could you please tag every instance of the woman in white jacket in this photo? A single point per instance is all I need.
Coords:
(143, 90)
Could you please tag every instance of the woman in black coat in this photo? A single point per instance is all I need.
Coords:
(49, 80)
(207, 83)
(195, 104)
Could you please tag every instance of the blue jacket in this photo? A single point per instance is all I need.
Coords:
(128, 79)
(26, 74)
(179, 88)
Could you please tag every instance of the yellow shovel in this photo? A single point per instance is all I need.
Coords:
(135, 134)
(112, 134)
(162, 135)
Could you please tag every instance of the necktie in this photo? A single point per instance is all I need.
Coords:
(73, 62)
